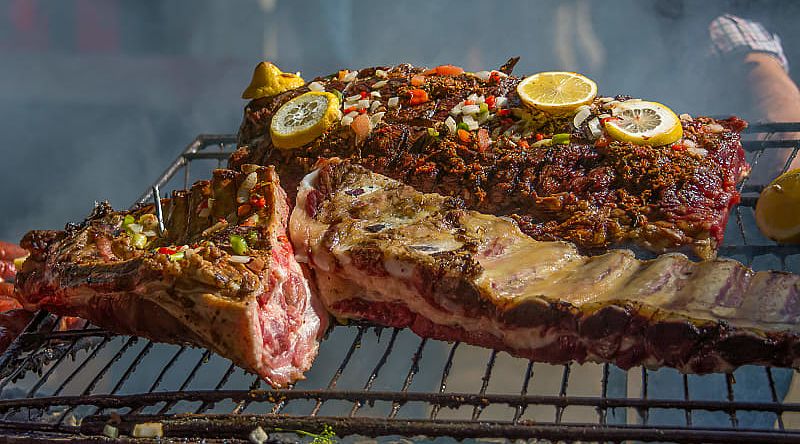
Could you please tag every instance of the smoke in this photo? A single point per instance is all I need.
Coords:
(98, 97)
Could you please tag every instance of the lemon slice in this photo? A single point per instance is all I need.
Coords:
(268, 80)
(556, 92)
(303, 119)
(644, 123)
(778, 208)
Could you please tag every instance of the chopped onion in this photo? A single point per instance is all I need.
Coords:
(582, 114)
(483, 75)
(375, 94)
(149, 233)
(472, 124)
(379, 84)
(689, 143)
(350, 76)
(501, 101)
(250, 168)
(698, 151)
(347, 120)
(470, 109)
(611, 104)
(249, 182)
(450, 123)
(352, 114)
(480, 100)
(376, 118)
(354, 98)
(136, 228)
(258, 435)
(457, 109)
(381, 74)
(473, 97)
(715, 128)
(111, 431)
(685, 117)
(363, 104)
(594, 128)
(148, 430)
(316, 86)
(374, 106)
(239, 259)
(393, 102)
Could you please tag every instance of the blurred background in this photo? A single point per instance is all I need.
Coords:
(97, 96)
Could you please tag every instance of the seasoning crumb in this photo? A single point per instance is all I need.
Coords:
(258, 436)
(148, 430)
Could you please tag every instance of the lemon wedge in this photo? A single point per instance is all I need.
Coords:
(268, 80)
(303, 119)
(556, 92)
(644, 123)
(778, 208)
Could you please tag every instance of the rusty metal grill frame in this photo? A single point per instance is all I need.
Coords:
(45, 356)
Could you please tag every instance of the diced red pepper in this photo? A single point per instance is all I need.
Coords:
(364, 94)
(350, 110)
(362, 111)
(503, 112)
(679, 147)
(491, 102)
(469, 102)
(523, 143)
(464, 136)
(165, 250)
(605, 120)
(418, 80)
(539, 136)
(258, 201)
(418, 96)
(494, 77)
(602, 142)
(243, 210)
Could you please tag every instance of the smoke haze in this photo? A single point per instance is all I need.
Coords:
(97, 97)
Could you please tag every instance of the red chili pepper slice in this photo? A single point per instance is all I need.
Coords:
(491, 102)
(363, 94)
(350, 110)
(258, 201)
(539, 136)
(523, 143)
(165, 250)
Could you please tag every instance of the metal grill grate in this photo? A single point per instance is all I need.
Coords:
(67, 382)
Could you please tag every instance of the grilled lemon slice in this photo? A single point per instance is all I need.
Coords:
(556, 92)
(644, 123)
(268, 80)
(778, 208)
(303, 119)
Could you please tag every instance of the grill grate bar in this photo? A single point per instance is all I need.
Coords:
(203, 359)
(729, 381)
(563, 391)
(445, 373)
(774, 395)
(644, 412)
(412, 371)
(520, 409)
(487, 375)
(377, 369)
(687, 412)
(353, 346)
(224, 380)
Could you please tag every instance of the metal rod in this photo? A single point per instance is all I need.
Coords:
(377, 369)
(445, 373)
(410, 376)
(159, 210)
(487, 375)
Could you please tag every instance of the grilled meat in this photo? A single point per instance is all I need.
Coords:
(383, 252)
(594, 192)
(195, 283)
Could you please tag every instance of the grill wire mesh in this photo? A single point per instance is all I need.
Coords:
(64, 380)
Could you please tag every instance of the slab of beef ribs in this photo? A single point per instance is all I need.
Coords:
(222, 275)
(593, 191)
(383, 252)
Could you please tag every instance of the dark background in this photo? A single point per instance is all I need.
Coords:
(97, 96)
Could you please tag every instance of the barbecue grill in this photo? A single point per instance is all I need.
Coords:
(370, 381)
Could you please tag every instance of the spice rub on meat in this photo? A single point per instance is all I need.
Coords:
(594, 191)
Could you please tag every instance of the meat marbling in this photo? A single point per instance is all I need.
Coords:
(383, 252)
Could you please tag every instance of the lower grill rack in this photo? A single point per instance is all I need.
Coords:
(66, 379)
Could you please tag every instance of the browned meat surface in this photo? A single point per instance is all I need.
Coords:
(222, 275)
(595, 192)
(383, 252)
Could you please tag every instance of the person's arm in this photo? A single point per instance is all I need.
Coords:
(759, 54)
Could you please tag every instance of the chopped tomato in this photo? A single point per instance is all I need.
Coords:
(464, 136)
(679, 147)
(362, 111)
(469, 102)
(243, 210)
(350, 109)
(418, 80)
(445, 70)
(483, 139)
(494, 77)
(602, 142)
(523, 143)
(539, 136)
(490, 101)
(503, 112)
(165, 250)
(258, 201)
(418, 96)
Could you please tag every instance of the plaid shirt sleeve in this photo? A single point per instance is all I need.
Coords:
(734, 35)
